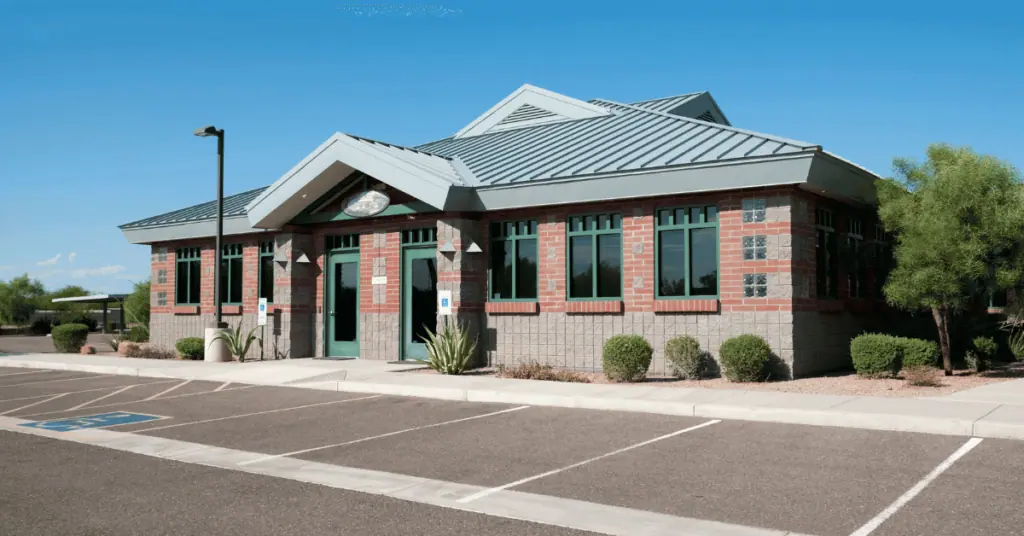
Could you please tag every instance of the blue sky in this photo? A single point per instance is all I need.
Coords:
(98, 99)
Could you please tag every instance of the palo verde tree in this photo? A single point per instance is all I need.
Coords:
(18, 300)
(958, 222)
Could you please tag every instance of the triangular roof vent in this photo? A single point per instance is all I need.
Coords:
(529, 106)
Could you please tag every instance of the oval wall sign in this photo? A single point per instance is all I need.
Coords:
(366, 204)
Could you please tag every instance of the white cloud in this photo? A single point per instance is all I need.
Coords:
(71, 257)
(81, 273)
(49, 262)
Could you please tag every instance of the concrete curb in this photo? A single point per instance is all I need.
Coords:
(1002, 422)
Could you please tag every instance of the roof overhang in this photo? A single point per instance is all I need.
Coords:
(814, 171)
(336, 159)
(234, 225)
(94, 298)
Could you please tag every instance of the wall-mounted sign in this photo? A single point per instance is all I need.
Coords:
(379, 280)
(366, 204)
(444, 302)
(261, 313)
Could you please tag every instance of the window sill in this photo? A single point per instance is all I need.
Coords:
(185, 309)
(512, 307)
(594, 306)
(686, 306)
(230, 309)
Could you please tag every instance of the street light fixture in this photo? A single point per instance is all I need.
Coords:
(206, 132)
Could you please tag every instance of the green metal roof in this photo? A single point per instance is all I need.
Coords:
(234, 205)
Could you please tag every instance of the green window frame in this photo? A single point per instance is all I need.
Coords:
(688, 222)
(514, 241)
(601, 232)
(826, 255)
(423, 236)
(231, 275)
(857, 274)
(265, 275)
(348, 242)
(188, 273)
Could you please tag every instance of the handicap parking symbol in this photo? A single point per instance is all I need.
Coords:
(101, 420)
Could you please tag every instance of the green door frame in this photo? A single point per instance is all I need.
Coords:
(334, 348)
(409, 349)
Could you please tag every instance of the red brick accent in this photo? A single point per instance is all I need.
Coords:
(597, 306)
(686, 306)
(185, 309)
(231, 309)
(512, 307)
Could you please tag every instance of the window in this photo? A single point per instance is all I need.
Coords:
(349, 241)
(753, 210)
(755, 285)
(231, 274)
(266, 271)
(595, 256)
(883, 260)
(188, 270)
(161, 298)
(827, 255)
(755, 248)
(857, 275)
(413, 237)
(161, 276)
(514, 260)
(687, 252)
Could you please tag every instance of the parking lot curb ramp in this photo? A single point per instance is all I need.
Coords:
(931, 415)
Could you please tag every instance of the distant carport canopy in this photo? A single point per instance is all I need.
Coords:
(99, 298)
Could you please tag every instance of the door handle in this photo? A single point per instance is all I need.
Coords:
(332, 312)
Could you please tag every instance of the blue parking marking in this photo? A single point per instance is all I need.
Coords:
(101, 420)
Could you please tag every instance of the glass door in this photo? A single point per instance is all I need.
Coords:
(342, 307)
(419, 300)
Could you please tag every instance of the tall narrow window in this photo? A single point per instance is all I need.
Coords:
(188, 270)
(514, 260)
(595, 256)
(827, 255)
(231, 274)
(857, 274)
(266, 269)
(687, 254)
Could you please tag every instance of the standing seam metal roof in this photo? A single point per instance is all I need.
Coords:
(632, 138)
(234, 205)
(665, 104)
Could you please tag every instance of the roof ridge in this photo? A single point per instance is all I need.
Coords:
(772, 137)
(396, 146)
(666, 98)
(518, 129)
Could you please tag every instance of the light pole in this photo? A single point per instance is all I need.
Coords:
(219, 133)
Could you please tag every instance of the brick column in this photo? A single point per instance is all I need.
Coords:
(464, 274)
(291, 327)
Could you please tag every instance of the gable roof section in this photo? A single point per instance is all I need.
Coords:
(630, 138)
(423, 175)
(510, 112)
(665, 104)
(699, 105)
(234, 205)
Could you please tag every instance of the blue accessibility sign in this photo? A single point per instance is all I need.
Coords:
(102, 420)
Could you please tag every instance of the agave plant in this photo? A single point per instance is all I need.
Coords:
(236, 343)
(450, 350)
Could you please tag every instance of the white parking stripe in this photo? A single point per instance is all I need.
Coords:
(222, 386)
(77, 392)
(108, 395)
(29, 372)
(52, 381)
(256, 413)
(138, 401)
(492, 491)
(389, 434)
(26, 406)
(168, 390)
(902, 501)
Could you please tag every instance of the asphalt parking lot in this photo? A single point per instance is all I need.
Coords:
(801, 479)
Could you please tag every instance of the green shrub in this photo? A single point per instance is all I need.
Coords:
(745, 358)
(137, 334)
(191, 348)
(41, 326)
(918, 352)
(70, 338)
(626, 358)
(986, 346)
(687, 359)
(876, 355)
(975, 361)
(451, 349)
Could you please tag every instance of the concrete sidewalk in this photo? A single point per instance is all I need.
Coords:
(983, 414)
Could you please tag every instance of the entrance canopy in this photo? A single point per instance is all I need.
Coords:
(99, 298)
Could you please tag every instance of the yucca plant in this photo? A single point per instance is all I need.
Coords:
(237, 345)
(450, 350)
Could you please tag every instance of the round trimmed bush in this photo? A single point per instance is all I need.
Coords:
(876, 355)
(986, 346)
(191, 348)
(138, 334)
(626, 358)
(686, 357)
(918, 352)
(745, 358)
(70, 338)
